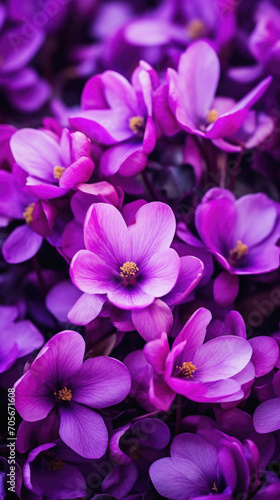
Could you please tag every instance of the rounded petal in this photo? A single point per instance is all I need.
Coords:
(265, 354)
(153, 230)
(267, 416)
(101, 382)
(221, 358)
(152, 321)
(86, 308)
(78, 172)
(199, 73)
(83, 430)
(170, 482)
(256, 218)
(106, 234)
(225, 289)
(60, 308)
(60, 359)
(34, 399)
(190, 274)
(160, 273)
(21, 245)
(91, 275)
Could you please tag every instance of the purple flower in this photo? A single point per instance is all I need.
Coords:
(59, 379)
(39, 215)
(119, 114)
(192, 95)
(49, 472)
(210, 372)
(132, 449)
(18, 338)
(54, 164)
(24, 88)
(181, 23)
(199, 468)
(133, 264)
(242, 234)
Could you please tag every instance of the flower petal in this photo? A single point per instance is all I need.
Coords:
(221, 358)
(83, 430)
(86, 308)
(21, 245)
(152, 231)
(152, 321)
(101, 382)
(267, 416)
(160, 273)
(33, 398)
(91, 275)
(106, 234)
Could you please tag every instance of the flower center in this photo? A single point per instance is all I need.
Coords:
(64, 394)
(134, 451)
(57, 172)
(212, 116)
(28, 213)
(238, 252)
(128, 272)
(186, 370)
(55, 463)
(136, 123)
(196, 29)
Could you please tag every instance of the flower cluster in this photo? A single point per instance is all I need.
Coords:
(140, 249)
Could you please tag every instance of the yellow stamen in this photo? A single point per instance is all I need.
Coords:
(64, 394)
(186, 370)
(212, 116)
(55, 463)
(28, 213)
(214, 488)
(57, 172)
(196, 29)
(128, 271)
(239, 251)
(136, 123)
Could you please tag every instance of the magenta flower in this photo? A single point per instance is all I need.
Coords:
(202, 467)
(119, 114)
(192, 95)
(54, 164)
(200, 372)
(39, 217)
(59, 379)
(242, 234)
(130, 265)
(49, 472)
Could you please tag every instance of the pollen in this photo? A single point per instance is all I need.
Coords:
(238, 252)
(57, 172)
(28, 213)
(128, 271)
(186, 370)
(136, 123)
(64, 394)
(212, 116)
(195, 29)
(55, 463)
